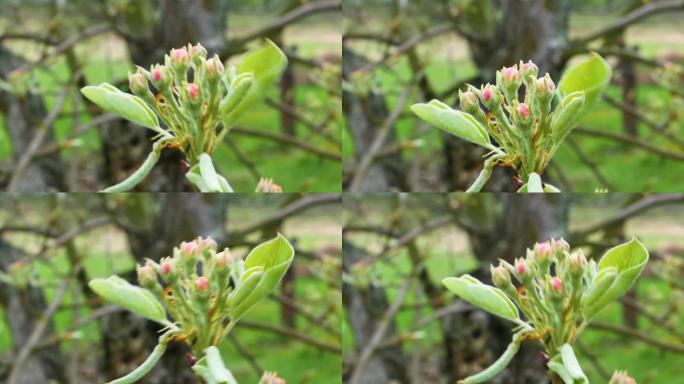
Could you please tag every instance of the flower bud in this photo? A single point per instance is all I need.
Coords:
(556, 284)
(560, 244)
(620, 377)
(147, 277)
(500, 276)
(271, 378)
(179, 57)
(469, 101)
(542, 250)
(523, 111)
(529, 71)
(160, 76)
(202, 284)
(193, 91)
(578, 263)
(508, 79)
(138, 83)
(545, 88)
(510, 75)
(223, 259)
(267, 185)
(491, 96)
(214, 68)
(197, 53)
(189, 248)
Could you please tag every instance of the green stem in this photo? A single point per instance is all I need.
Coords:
(148, 364)
(140, 173)
(484, 174)
(500, 364)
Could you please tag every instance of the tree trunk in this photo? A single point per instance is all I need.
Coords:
(23, 308)
(365, 307)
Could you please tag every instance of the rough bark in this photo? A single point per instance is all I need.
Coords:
(23, 114)
(23, 307)
(365, 115)
(365, 308)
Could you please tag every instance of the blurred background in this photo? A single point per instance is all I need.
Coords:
(49, 49)
(402, 326)
(54, 329)
(400, 52)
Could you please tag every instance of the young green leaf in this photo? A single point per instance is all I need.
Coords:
(591, 76)
(123, 104)
(628, 260)
(265, 64)
(212, 369)
(566, 115)
(457, 123)
(533, 185)
(556, 365)
(572, 365)
(133, 298)
(208, 173)
(489, 298)
(275, 257)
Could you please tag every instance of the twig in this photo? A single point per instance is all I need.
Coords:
(37, 332)
(287, 139)
(593, 167)
(638, 207)
(34, 145)
(379, 334)
(631, 140)
(293, 333)
(628, 331)
(631, 18)
(291, 209)
(380, 138)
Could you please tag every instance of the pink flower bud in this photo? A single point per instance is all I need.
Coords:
(166, 268)
(487, 94)
(468, 100)
(556, 284)
(542, 250)
(577, 260)
(214, 66)
(197, 52)
(271, 378)
(524, 111)
(510, 74)
(560, 244)
(156, 75)
(193, 91)
(207, 243)
(520, 267)
(266, 185)
(529, 70)
(189, 248)
(180, 56)
(202, 284)
(223, 259)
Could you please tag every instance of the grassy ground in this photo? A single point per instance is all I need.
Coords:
(293, 360)
(449, 63)
(448, 255)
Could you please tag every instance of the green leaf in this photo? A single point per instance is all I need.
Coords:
(211, 368)
(572, 365)
(123, 104)
(489, 298)
(273, 257)
(208, 173)
(533, 185)
(133, 298)
(591, 76)
(556, 365)
(457, 123)
(265, 64)
(500, 364)
(566, 115)
(627, 260)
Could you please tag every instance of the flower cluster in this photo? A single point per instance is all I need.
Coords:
(558, 291)
(524, 124)
(550, 283)
(197, 99)
(192, 110)
(205, 292)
